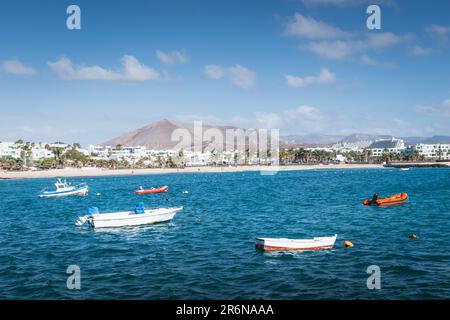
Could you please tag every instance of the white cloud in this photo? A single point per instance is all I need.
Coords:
(344, 3)
(419, 51)
(323, 77)
(16, 67)
(305, 113)
(331, 42)
(365, 59)
(238, 75)
(341, 49)
(214, 72)
(384, 40)
(173, 57)
(132, 70)
(206, 119)
(332, 49)
(439, 109)
(308, 27)
(325, 2)
(304, 118)
(438, 32)
(269, 120)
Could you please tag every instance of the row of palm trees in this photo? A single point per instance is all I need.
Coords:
(304, 156)
(62, 156)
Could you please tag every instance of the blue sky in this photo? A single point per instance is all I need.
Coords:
(303, 66)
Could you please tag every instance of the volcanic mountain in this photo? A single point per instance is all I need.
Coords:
(158, 136)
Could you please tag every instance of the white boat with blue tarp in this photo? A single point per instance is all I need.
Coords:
(136, 217)
(63, 188)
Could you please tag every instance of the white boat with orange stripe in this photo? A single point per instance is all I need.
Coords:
(275, 244)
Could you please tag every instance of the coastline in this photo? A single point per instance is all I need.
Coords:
(99, 172)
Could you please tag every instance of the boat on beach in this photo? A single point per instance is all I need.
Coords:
(152, 190)
(136, 217)
(63, 188)
(285, 244)
(396, 199)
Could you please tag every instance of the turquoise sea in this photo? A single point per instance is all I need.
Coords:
(208, 250)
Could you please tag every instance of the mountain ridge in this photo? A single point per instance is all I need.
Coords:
(157, 135)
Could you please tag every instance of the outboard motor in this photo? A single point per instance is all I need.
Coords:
(93, 210)
(140, 208)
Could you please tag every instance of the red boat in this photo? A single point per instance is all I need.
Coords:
(152, 190)
(389, 201)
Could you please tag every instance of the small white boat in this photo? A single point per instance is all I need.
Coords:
(63, 188)
(139, 216)
(273, 244)
(404, 169)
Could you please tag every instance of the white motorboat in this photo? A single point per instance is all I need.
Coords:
(273, 244)
(139, 216)
(63, 188)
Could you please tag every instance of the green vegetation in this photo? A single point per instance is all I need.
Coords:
(304, 156)
(11, 164)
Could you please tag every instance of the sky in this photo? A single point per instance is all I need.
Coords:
(301, 66)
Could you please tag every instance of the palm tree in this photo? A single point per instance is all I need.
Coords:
(282, 155)
(57, 153)
(440, 153)
(181, 157)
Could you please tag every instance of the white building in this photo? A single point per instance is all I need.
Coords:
(10, 149)
(39, 152)
(339, 158)
(99, 152)
(357, 146)
(393, 145)
(433, 151)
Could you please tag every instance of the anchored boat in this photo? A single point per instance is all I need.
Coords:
(139, 216)
(398, 198)
(152, 190)
(63, 188)
(274, 244)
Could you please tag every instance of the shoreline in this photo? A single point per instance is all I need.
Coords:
(100, 172)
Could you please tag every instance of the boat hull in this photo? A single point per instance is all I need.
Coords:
(150, 191)
(130, 218)
(396, 199)
(283, 244)
(81, 191)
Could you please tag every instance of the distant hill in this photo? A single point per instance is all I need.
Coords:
(158, 136)
(427, 140)
(364, 137)
(312, 139)
(413, 140)
(437, 139)
(327, 139)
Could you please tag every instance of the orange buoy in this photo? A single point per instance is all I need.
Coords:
(348, 244)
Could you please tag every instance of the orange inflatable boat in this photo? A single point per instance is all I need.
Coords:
(398, 198)
(152, 190)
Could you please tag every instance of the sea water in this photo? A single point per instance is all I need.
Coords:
(208, 250)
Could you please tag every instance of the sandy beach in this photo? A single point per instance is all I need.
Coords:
(94, 172)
